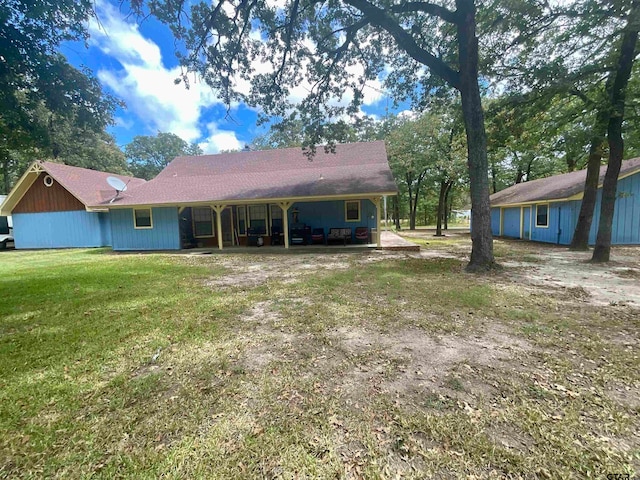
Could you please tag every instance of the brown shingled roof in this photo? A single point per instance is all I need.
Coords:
(88, 186)
(557, 187)
(355, 168)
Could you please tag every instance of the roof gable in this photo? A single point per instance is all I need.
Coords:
(557, 187)
(89, 187)
(47, 197)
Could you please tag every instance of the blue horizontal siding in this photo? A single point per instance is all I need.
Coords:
(331, 214)
(526, 224)
(625, 229)
(561, 224)
(105, 228)
(626, 217)
(70, 229)
(495, 221)
(165, 234)
(511, 222)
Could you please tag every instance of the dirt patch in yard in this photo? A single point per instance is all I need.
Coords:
(356, 363)
(544, 266)
(571, 272)
(413, 362)
(252, 271)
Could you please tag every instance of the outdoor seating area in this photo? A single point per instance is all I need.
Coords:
(339, 235)
(301, 234)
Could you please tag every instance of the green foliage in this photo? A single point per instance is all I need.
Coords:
(531, 141)
(89, 149)
(427, 151)
(39, 89)
(148, 155)
(291, 132)
(554, 61)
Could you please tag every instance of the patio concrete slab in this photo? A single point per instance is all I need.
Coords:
(392, 241)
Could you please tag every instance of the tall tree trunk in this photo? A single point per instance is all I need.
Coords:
(482, 240)
(447, 205)
(572, 162)
(412, 221)
(494, 184)
(6, 180)
(414, 208)
(528, 170)
(396, 212)
(441, 207)
(602, 251)
(519, 172)
(519, 175)
(580, 240)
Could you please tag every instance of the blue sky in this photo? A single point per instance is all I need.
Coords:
(136, 63)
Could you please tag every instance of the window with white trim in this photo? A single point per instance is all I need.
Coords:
(352, 210)
(276, 216)
(542, 215)
(258, 218)
(202, 222)
(142, 218)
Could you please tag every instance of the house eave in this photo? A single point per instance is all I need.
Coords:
(316, 198)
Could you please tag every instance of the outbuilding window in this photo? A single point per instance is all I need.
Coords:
(142, 218)
(352, 211)
(202, 222)
(542, 215)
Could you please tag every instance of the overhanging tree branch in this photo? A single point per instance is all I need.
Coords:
(381, 19)
(426, 7)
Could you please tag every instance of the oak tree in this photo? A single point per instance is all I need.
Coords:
(317, 57)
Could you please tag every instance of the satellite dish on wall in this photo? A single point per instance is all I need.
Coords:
(116, 183)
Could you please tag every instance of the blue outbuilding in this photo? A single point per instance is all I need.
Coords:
(546, 210)
(61, 206)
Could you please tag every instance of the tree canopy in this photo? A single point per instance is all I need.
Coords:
(40, 92)
(148, 155)
(331, 51)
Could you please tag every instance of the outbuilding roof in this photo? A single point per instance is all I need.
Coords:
(557, 187)
(90, 187)
(354, 169)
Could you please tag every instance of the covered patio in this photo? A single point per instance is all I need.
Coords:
(303, 221)
(388, 241)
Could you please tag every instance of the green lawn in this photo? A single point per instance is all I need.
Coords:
(346, 365)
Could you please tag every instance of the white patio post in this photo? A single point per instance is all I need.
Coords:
(218, 209)
(285, 221)
(377, 202)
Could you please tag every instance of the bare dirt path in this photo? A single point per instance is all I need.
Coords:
(550, 266)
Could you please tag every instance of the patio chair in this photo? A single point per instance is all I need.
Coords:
(275, 236)
(317, 236)
(362, 234)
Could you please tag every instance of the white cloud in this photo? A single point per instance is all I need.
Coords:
(144, 83)
(218, 140)
(149, 90)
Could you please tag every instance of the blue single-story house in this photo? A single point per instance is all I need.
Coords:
(546, 210)
(231, 199)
